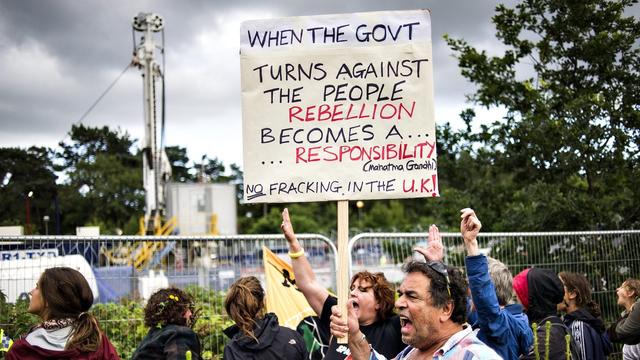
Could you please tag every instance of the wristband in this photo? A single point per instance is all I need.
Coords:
(296, 255)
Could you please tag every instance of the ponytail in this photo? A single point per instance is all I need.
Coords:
(86, 334)
(67, 295)
(244, 303)
(594, 308)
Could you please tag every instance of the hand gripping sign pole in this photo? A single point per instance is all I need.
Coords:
(338, 108)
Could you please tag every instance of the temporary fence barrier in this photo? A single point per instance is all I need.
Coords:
(606, 258)
(128, 268)
(123, 271)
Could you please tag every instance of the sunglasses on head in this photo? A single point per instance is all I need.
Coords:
(441, 269)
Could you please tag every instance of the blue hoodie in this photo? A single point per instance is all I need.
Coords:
(505, 330)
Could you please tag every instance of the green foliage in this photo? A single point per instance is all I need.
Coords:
(14, 318)
(317, 218)
(123, 322)
(21, 172)
(180, 170)
(104, 179)
(571, 133)
(564, 156)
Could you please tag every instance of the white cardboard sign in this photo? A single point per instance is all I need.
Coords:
(338, 107)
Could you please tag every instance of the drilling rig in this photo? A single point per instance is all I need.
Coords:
(156, 166)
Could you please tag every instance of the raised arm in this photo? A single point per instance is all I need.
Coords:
(306, 281)
(434, 250)
(493, 321)
(470, 227)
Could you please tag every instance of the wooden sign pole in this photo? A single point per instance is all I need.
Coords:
(342, 277)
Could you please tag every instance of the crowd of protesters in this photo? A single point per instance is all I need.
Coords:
(438, 313)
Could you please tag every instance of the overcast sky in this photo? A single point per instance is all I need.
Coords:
(57, 57)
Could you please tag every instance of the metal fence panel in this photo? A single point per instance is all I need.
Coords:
(127, 267)
(606, 258)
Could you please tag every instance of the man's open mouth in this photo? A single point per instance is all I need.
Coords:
(405, 324)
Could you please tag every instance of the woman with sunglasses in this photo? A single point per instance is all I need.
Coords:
(169, 315)
(62, 299)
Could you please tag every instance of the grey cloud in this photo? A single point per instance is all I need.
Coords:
(89, 42)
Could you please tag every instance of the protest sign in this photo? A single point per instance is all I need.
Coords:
(338, 107)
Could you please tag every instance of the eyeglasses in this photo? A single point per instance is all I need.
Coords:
(441, 269)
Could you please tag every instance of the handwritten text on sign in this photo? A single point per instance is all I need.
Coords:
(338, 107)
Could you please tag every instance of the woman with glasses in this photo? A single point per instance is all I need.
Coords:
(169, 315)
(62, 299)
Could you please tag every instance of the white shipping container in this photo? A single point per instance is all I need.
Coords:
(194, 204)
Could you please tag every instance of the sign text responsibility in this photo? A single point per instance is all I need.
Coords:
(338, 107)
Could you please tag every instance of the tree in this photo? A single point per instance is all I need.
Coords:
(570, 82)
(181, 172)
(103, 179)
(23, 171)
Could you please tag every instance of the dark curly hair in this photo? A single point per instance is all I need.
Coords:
(579, 284)
(167, 307)
(438, 288)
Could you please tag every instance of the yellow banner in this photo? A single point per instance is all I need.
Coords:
(283, 297)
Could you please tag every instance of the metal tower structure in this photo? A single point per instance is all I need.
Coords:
(156, 167)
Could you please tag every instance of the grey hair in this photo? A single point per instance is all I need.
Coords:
(502, 280)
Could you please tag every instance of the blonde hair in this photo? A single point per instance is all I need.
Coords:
(633, 285)
(245, 303)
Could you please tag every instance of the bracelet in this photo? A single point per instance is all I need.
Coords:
(296, 255)
(364, 338)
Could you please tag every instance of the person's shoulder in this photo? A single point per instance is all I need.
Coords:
(287, 331)
(178, 329)
(172, 332)
(479, 350)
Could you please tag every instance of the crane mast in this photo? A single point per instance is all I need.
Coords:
(156, 170)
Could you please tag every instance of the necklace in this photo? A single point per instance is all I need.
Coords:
(55, 324)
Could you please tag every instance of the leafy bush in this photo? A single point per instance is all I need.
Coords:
(123, 322)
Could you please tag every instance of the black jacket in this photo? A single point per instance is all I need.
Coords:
(274, 342)
(168, 343)
(545, 292)
(589, 334)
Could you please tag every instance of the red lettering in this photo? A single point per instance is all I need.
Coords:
(324, 113)
(299, 155)
(344, 149)
(312, 153)
(423, 185)
(309, 116)
(337, 112)
(298, 110)
(410, 188)
(328, 150)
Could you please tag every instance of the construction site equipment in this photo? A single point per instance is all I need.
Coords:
(156, 166)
